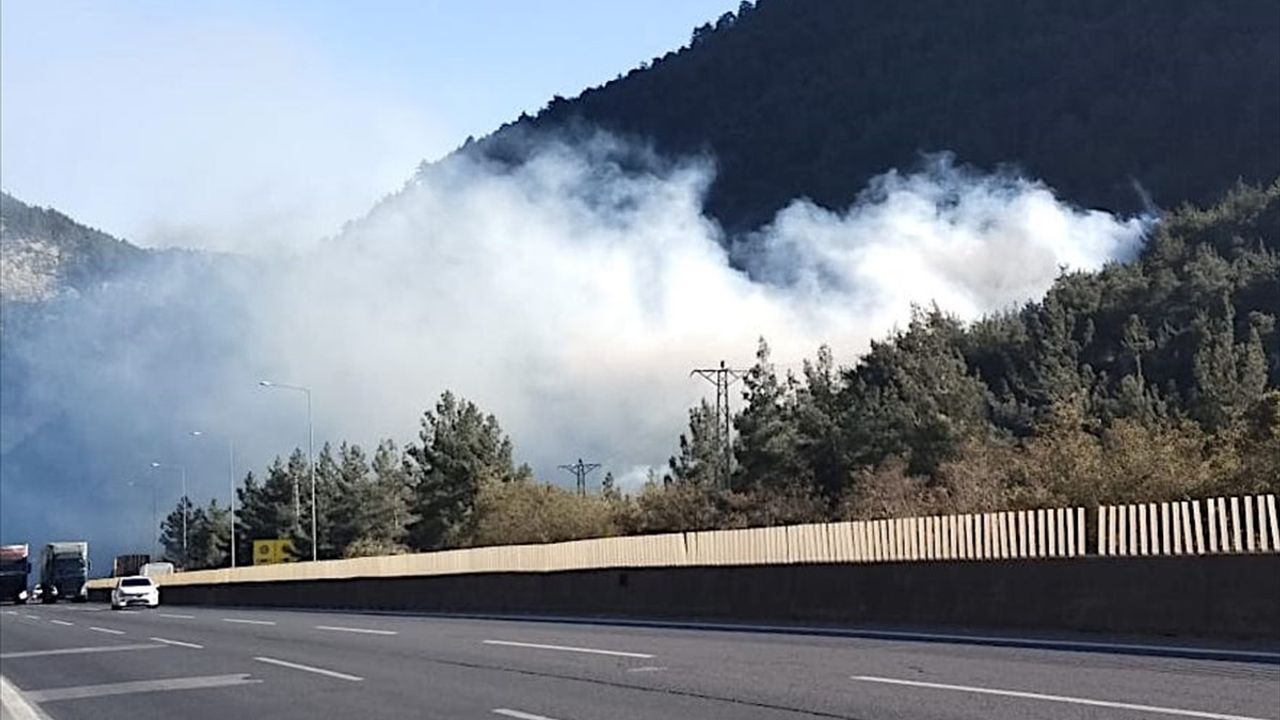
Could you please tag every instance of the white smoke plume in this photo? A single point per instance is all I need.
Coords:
(570, 294)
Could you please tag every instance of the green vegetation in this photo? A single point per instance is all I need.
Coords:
(812, 99)
(1150, 380)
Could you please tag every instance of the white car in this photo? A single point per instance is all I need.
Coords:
(135, 590)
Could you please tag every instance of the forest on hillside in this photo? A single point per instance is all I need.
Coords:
(82, 256)
(1149, 380)
(1104, 101)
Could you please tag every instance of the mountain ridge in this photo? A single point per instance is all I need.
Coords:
(804, 99)
(46, 253)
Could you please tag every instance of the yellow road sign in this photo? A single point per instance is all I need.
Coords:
(270, 552)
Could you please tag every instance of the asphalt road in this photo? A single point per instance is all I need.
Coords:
(85, 661)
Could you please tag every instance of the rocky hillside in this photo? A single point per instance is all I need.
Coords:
(45, 254)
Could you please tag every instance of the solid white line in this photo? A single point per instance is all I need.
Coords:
(566, 648)
(1059, 698)
(1066, 644)
(179, 643)
(520, 715)
(178, 617)
(249, 622)
(106, 630)
(308, 668)
(367, 631)
(14, 705)
(76, 651)
(996, 640)
(140, 686)
(61, 622)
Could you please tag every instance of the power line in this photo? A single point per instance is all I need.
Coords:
(722, 377)
(580, 471)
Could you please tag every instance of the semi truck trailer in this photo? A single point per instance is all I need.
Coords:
(15, 564)
(128, 564)
(64, 572)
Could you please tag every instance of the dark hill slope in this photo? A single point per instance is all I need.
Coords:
(811, 98)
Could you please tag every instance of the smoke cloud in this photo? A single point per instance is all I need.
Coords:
(570, 294)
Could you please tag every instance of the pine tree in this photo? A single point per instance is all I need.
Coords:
(388, 511)
(208, 535)
(177, 546)
(609, 488)
(913, 397)
(461, 448)
(348, 513)
(817, 418)
(210, 531)
(298, 471)
(700, 460)
(1230, 376)
(768, 440)
(332, 496)
(266, 510)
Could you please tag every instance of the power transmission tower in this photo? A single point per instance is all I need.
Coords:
(722, 377)
(580, 471)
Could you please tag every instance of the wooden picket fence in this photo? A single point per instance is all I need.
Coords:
(1195, 527)
(1190, 527)
(1052, 532)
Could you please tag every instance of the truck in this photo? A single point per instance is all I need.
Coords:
(64, 572)
(124, 565)
(156, 569)
(15, 564)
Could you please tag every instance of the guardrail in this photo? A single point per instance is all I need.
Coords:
(1220, 525)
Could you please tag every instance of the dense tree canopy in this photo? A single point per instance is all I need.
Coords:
(1103, 100)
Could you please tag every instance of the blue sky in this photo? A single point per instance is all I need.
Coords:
(244, 124)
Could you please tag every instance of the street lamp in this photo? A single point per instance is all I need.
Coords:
(183, 470)
(311, 464)
(231, 486)
(155, 516)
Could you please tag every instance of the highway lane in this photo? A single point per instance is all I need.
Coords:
(300, 664)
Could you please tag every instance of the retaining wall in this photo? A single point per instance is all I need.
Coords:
(1227, 596)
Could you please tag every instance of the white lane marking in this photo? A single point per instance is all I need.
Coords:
(179, 643)
(176, 616)
(647, 668)
(519, 715)
(31, 617)
(140, 686)
(61, 622)
(76, 650)
(14, 705)
(109, 631)
(249, 622)
(10, 612)
(309, 668)
(995, 640)
(1058, 698)
(367, 631)
(566, 648)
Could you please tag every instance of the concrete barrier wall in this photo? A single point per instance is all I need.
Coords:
(1152, 529)
(1208, 596)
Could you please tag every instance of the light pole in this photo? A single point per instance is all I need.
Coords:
(231, 486)
(155, 515)
(183, 470)
(311, 464)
